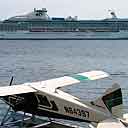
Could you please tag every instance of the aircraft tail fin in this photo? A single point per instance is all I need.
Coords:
(111, 101)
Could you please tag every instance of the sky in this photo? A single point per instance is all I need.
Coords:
(84, 9)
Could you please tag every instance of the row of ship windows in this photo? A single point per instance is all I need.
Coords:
(63, 25)
(68, 23)
(66, 27)
(59, 27)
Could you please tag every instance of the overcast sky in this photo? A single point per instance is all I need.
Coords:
(84, 9)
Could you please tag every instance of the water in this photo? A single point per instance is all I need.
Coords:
(40, 60)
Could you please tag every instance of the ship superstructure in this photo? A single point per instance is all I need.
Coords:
(38, 20)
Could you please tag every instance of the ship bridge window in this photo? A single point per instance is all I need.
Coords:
(39, 14)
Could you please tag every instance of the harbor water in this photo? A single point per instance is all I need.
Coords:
(39, 60)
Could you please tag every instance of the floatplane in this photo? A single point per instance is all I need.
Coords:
(44, 98)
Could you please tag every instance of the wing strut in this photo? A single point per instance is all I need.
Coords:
(11, 81)
(4, 118)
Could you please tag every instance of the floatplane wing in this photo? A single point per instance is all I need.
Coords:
(15, 89)
(51, 84)
(73, 79)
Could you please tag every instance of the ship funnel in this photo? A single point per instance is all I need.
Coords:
(113, 14)
(34, 9)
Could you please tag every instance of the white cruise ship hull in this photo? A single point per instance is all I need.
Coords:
(63, 35)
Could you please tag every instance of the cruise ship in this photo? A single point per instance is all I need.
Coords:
(37, 25)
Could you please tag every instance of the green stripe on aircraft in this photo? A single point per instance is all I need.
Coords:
(80, 77)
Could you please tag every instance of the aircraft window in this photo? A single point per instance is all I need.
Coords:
(43, 100)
